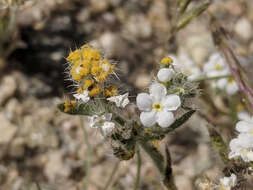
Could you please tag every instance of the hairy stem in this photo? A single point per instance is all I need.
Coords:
(137, 182)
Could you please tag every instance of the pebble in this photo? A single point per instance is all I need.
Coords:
(243, 29)
(7, 130)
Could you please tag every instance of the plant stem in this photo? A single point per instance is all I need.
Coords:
(116, 166)
(88, 155)
(210, 78)
(221, 39)
(137, 182)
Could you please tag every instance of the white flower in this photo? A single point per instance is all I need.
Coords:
(244, 115)
(156, 107)
(189, 68)
(120, 101)
(245, 126)
(107, 128)
(165, 74)
(216, 66)
(242, 146)
(228, 84)
(103, 123)
(84, 97)
(227, 183)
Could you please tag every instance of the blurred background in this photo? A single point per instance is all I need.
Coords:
(40, 145)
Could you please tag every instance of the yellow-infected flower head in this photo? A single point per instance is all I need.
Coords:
(90, 70)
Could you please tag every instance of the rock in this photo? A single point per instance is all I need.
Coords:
(244, 29)
(138, 26)
(8, 87)
(98, 6)
(17, 147)
(142, 80)
(55, 166)
(7, 130)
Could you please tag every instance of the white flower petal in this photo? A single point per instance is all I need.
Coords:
(165, 74)
(107, 128)
(84, 97)
(244, 127)
(171, 102)
(107, 116)
(245, 116)
(228, 182)
(157, 91)
(144, 102)
(165, 118)
(148, 119)
(120, 101)
(232, 88)
(221, 83)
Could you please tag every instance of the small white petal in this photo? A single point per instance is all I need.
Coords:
(232, 88)
(244, 115)
(157, 91)
(148, 119)
(144, 102)
(107, 116)
(107, 128)
(84, 97)
(171, 102)
(120, 101)
(165, 74)
(165, 118)
(221, 83)
(244, 127)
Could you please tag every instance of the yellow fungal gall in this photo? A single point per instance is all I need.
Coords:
(88, 83)
(69, 105)
(95, 90)
(111, 91)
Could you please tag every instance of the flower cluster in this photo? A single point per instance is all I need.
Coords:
(216, 67)
(185, 64)
(90, 71)
(242, 145)
(95, 95)
(165, 95)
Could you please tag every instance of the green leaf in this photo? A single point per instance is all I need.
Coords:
(159, 133)
(218, 143)
(192, 15)
(82, 109)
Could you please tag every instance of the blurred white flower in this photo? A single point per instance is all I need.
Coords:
(245, 116)
(165, 74)
(242, 146)
(228, 84)
(120, 101)
(157, 106)
(226, 183)
(215, 67)
(189, 68)
(84, 97)
(245, 126)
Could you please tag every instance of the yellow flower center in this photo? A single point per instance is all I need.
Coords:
(218, 67)
(166, 61)
(231, 80)
(240, 107)
(157, 106)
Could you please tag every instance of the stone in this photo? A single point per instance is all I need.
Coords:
(7, 130)
(8, 87)
(243, 29)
